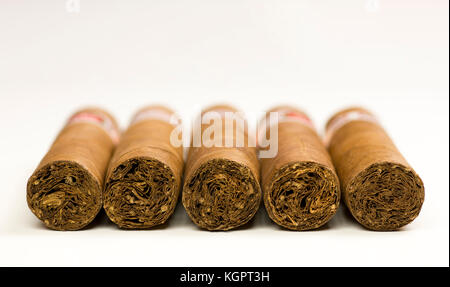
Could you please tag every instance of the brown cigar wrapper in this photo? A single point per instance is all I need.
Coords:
(221, 189)
(300, 186)
(379, 187)
(144, 176)
(65, 190)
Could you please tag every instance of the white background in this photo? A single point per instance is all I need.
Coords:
(389, 56)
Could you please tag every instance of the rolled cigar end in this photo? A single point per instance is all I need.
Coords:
(221, 189)
(385, 196)
(301, 188)
(65, 191)
(143, 179)
(380, 189)
(64, 195)
(302, 196)
(222, 194)
(142, 193)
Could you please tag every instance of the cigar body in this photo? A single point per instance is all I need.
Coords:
(144, 176)
(300, 186)
(379, 187)
(65, 190)
(221, 189)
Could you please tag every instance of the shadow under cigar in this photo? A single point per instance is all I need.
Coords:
(179, 218)
(343, 219)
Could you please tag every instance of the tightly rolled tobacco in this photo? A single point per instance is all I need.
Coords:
(144, 176)
(300, 185)
(65, 191)
(221, 188)
(379, 187)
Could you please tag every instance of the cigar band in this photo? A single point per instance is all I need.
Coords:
(227, 117)
(98, 119)
(344, 119)
(157, 114)
(283, 116)
(223, 112)
(287, 115)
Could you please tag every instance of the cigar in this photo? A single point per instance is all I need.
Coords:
(300, 185)
(65, 190)
(221, 189)
(144, 176)
(379, 187)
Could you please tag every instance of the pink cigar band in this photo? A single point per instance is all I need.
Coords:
(99, 119)
(284, 115)
(155, 113)
(345, 118)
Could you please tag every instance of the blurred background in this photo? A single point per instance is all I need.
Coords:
(390, 56)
